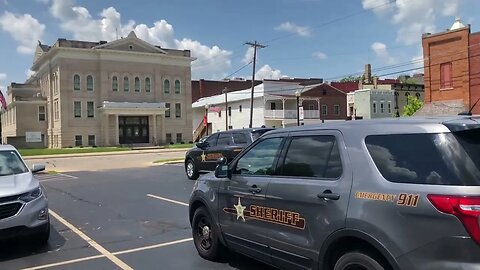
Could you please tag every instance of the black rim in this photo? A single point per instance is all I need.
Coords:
(204, 233)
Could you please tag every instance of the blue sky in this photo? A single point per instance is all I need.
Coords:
(305, 38)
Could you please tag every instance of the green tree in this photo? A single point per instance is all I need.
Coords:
(352, 78)
(414, 104)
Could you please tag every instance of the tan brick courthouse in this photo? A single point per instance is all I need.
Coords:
(82, 93)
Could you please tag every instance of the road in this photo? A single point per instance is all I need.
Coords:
(117, 213)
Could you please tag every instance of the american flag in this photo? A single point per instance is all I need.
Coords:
(215, 109)
(2, 99)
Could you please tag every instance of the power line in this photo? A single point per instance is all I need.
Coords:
(206, 62)
(333, 21)
(238, 70)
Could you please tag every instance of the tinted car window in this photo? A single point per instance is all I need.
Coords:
(240, 138)
(212, 140)
(259, 159)
(434, 159)
(258, 133)
(10, 163)
(313, 156)
(224, 139)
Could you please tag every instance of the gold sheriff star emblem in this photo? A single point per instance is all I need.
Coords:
(204, 157)
(240, 208)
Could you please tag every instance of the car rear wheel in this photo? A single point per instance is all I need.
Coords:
(191, 170)
(357, 261)
(205, 236)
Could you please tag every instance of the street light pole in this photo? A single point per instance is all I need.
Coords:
(225, 91)
(297, 94)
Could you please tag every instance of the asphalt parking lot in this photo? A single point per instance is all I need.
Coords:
(130, 218)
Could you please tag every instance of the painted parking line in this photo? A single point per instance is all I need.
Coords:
(166, 199)
(92, 243)
(114, 253)
(55, 177)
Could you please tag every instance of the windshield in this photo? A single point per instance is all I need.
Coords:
(10, 163)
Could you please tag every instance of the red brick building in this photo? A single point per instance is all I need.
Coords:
(452, 70)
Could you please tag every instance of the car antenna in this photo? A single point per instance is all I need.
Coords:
(470, 111)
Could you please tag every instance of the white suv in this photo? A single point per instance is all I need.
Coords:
(23, 203)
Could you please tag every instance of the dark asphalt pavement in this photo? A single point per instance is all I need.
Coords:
(113, 209)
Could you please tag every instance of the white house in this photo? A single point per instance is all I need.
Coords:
(371, 103)
(274, 105)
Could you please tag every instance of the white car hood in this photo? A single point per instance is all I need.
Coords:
(17, 184)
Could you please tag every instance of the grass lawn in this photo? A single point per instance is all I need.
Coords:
(168, 160)
(36, 152)
(178, 145)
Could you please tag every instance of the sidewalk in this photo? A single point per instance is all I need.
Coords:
(131, 152)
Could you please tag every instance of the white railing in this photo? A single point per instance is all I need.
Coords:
(291, 114)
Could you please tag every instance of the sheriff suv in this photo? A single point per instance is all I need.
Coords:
(226, 144)
(369, 194)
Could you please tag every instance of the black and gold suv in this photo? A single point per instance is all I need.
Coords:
(227, 144)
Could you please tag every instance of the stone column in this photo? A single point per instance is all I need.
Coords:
(117, 142)
(105, 126)
(155, 133)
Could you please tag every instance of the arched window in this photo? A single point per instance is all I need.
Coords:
(147, 84)
(166, 86)
(417, 95)
(137, 84)
(76, 82)
(407, 94)
(89, 83)
(115, 83)
(177, 87)
(374, 107)
(126, 84)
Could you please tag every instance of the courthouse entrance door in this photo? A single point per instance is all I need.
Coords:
(133, 129)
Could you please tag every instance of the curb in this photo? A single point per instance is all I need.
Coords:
(168, 162)
(131, 152)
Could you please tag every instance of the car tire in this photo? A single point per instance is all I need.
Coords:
(191, 170)
(206, 236)
(357, 260)
(41, 237)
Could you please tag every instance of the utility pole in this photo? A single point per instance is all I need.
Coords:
(225, 91)
(254, 45)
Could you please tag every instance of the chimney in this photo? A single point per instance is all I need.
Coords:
(368, 74)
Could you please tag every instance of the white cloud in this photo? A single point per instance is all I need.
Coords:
(212, 62)
(248, 55)
(24, 29)
(266, 72)
(414, 18)
(320, 55)
(3, 76)
(29, 73)
(382, 54)
(303, 31)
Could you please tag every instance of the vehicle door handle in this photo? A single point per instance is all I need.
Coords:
(254, 189)
(328, 195)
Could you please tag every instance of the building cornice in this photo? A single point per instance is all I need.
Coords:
(114, 55)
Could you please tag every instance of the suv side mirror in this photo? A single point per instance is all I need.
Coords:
(38, 168)
(222, 170)
(201, 145)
